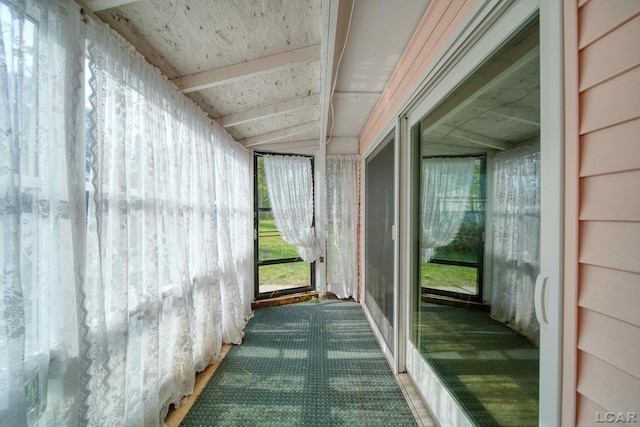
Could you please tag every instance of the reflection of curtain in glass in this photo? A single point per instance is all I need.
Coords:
(290, 187)
(446, 187)
(161, 261)
(516, 238)
(342, 212)
(42, 227)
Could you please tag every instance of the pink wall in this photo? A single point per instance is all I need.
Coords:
(602, 209)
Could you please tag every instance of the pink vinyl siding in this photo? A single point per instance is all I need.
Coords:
(606, 289)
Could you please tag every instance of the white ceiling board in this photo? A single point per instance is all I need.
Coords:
(254, 92)
(243, 70)
(188, 37)
(271, 124)
(380, 31)
(343, 146)
(268, 111)
(281, 135)
(98, 5)
(352, 116)
(305, 136)
(200, 35)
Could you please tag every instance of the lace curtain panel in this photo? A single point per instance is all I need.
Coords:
(342, 216)
(234, 223)
(445, 191)
(127, 263)
(516, 239)
(290, 187)
(41, 214)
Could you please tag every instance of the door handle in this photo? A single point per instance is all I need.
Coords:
(539, 299)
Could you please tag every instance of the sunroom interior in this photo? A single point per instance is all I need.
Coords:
(205, 158)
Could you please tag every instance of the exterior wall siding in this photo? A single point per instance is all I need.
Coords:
(602, 36)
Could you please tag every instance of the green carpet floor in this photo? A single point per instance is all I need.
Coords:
(306, 364)
(489, 369)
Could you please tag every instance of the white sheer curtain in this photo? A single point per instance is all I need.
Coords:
(234, 209)
(115, 291)
(445, 191)
(290, 186)
(342, 216)
(41, 214)
(165, 292)
(516, 238)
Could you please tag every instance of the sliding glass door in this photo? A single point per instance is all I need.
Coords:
(379, 242)
(476, 237)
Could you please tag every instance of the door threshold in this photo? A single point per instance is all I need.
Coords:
(284, 299)
(455, 302)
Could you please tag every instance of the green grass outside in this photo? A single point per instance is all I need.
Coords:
(274, 247)
(298, 273)
(448, 276)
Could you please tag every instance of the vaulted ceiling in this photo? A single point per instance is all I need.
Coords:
(278, 75)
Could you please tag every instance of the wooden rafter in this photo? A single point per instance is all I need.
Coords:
(304, 145)
(475, 138)
(268, 111)
(243, 70)
(509, 112)
(98, 5)
(279, 134)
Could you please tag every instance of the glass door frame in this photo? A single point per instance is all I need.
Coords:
(491, 25)
(256, 241)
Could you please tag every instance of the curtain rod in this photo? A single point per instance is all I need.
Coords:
(263, 153)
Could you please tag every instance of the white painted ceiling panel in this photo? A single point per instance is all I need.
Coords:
(186, 37)
(254, 92)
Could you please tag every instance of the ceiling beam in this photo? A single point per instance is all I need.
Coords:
(307, 143)
(511, 112)
(431, 147)
(243, 70)
(279, 134)
(98, 5)
(268, 111)
(475, 138)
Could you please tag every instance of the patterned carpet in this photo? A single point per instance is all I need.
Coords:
(306, 364)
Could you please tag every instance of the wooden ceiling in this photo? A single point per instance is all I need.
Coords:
(265, 70)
